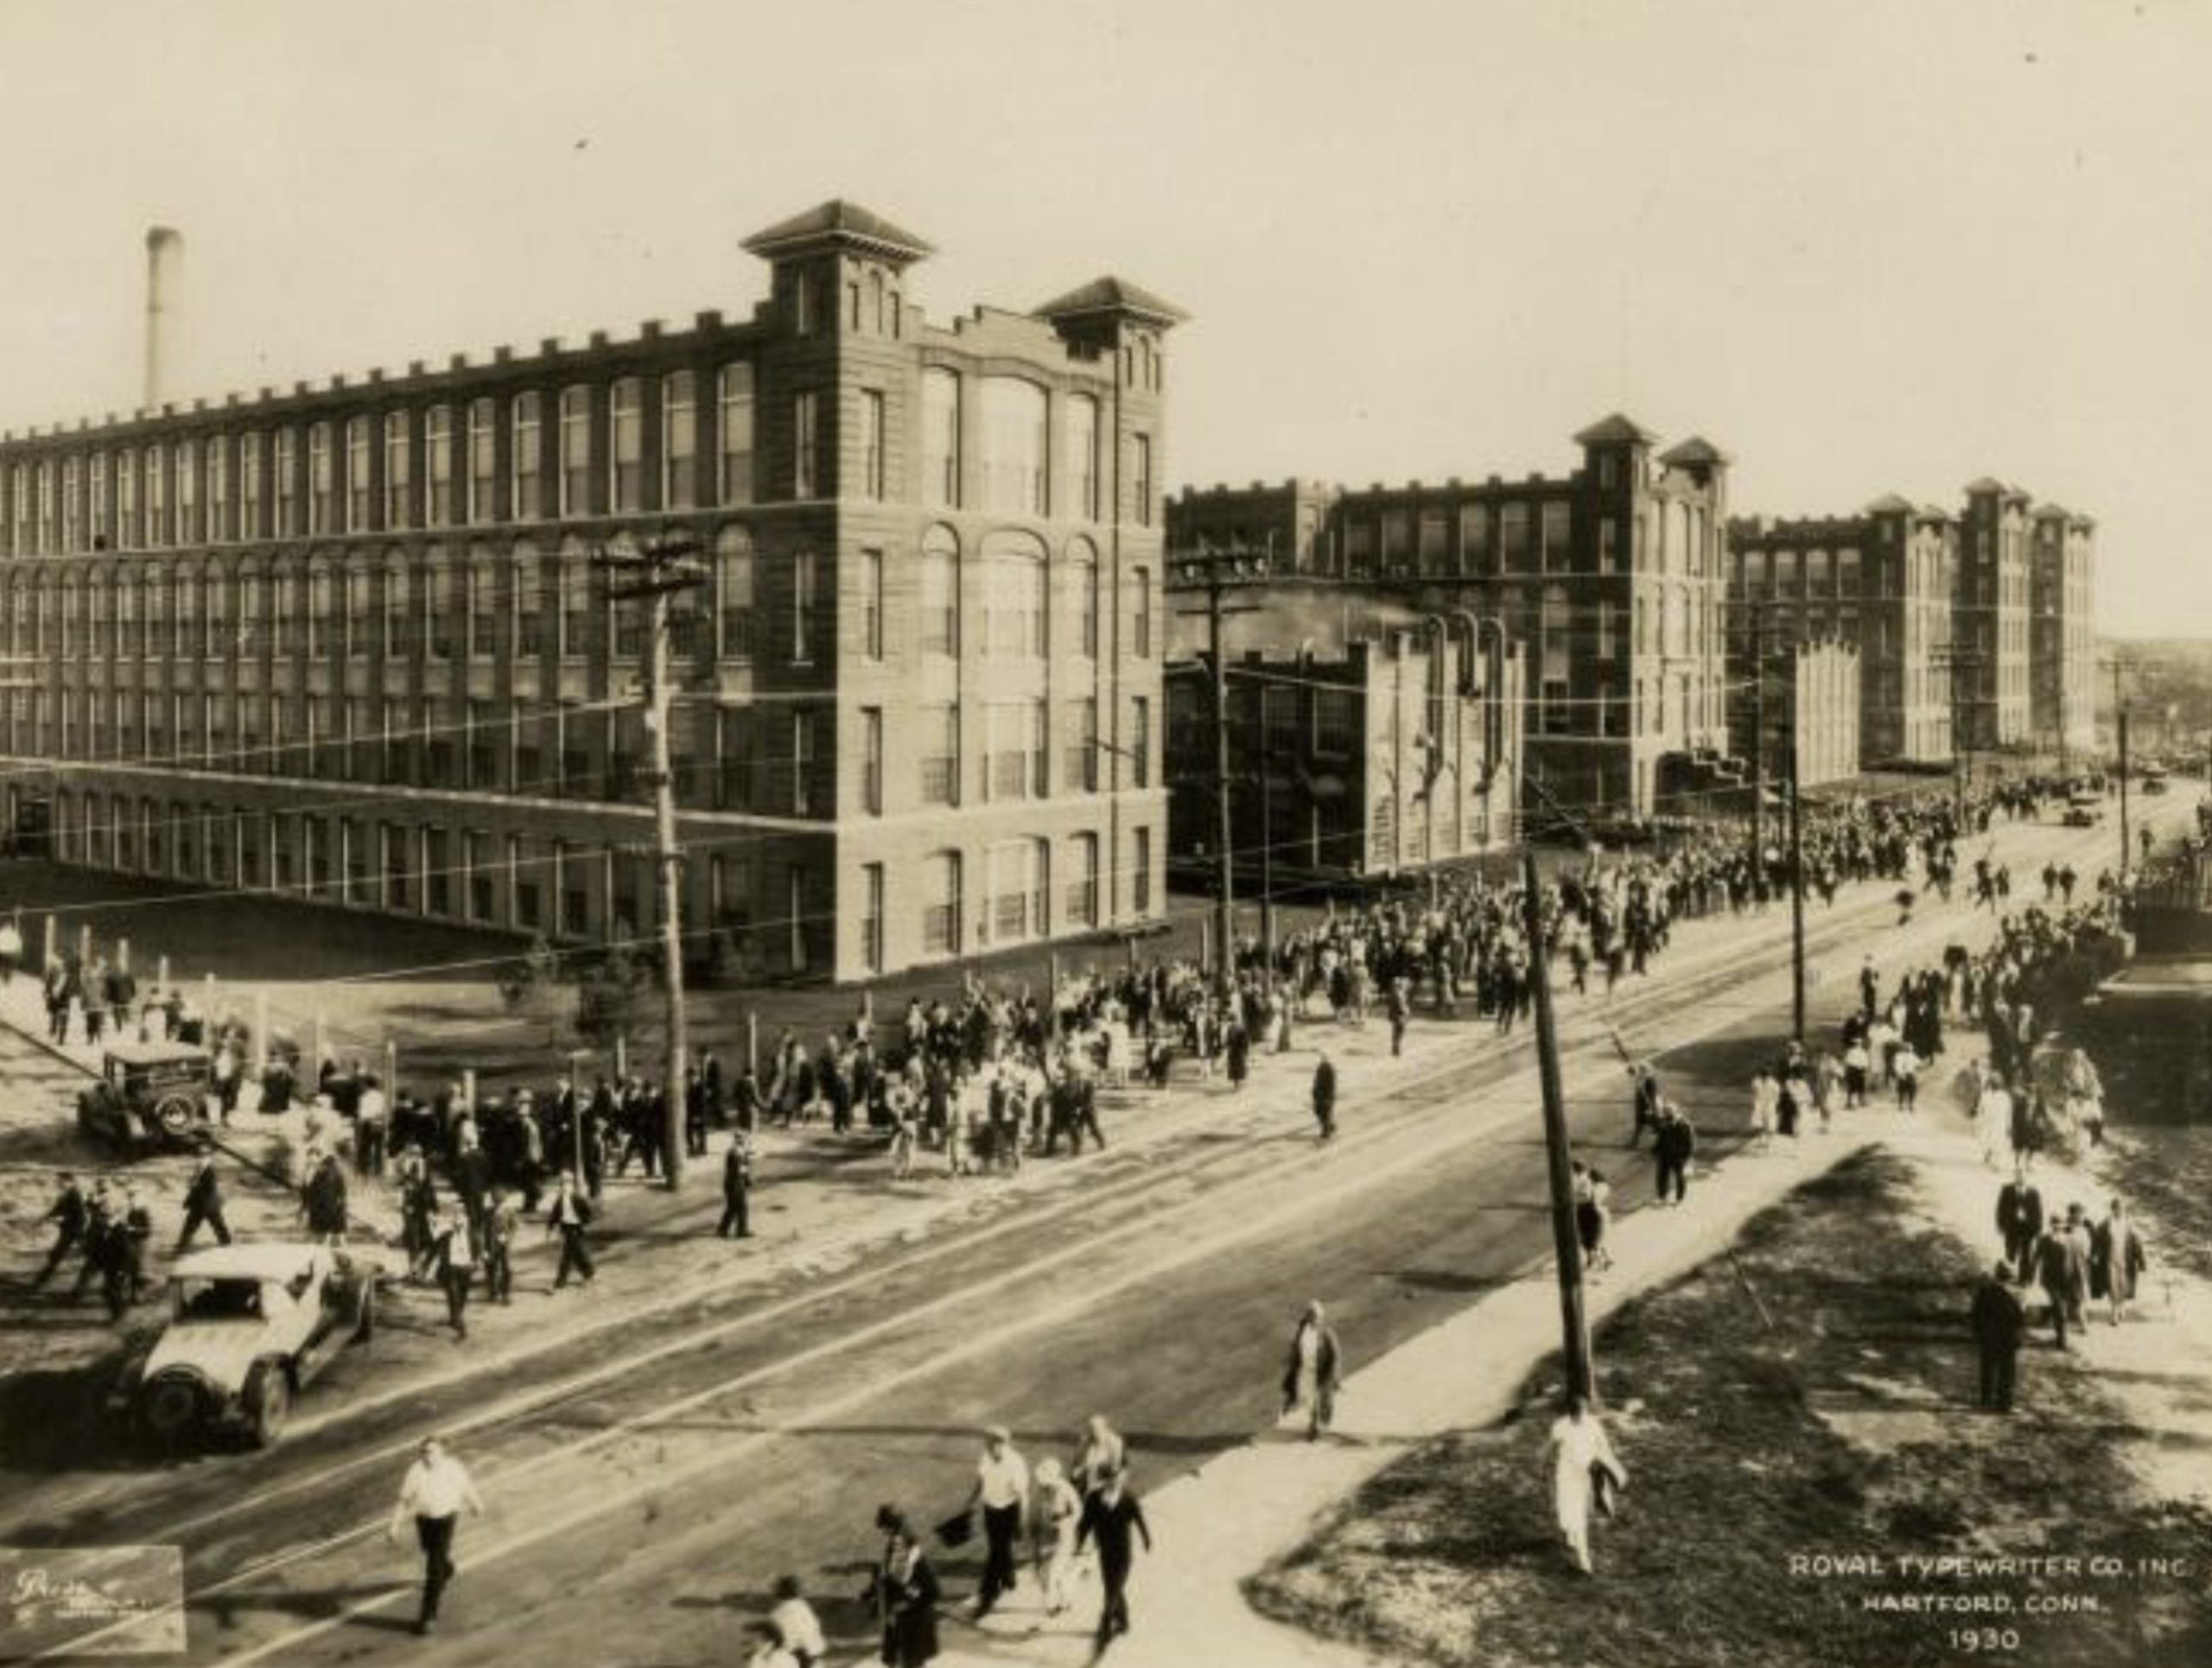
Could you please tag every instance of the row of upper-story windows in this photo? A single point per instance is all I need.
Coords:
(395, 603)
(1493, 537)
(526, 456)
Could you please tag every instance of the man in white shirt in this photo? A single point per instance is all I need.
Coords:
(436, 1487)
(1003, 1489)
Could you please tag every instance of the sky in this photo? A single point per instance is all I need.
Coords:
(1864, 248)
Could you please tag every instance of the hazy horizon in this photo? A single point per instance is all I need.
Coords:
(1883, 248)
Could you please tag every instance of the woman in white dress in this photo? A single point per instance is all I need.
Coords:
(1056, 1512)
(1581, 1454)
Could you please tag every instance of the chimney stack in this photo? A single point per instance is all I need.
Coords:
(164, 282)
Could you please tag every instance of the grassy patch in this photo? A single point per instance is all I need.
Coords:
(1846, 1429)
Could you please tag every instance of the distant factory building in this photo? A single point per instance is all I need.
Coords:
(1382, 743)
(1610, 578)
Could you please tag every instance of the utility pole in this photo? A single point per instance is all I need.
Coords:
(658, 571)
(1566, 1245)
(1215, 572)
(1797, 880)
(1758, 754)
(2126, 851)
(1266, 830)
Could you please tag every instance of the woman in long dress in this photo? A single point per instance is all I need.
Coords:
(1581, 1453)
(1309, 1376)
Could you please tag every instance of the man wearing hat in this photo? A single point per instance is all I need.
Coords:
(1002, 1489)
(203, 1199)
(1309, 1377)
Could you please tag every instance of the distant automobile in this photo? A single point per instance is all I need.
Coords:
(2084, 810)
(250, 1327)
(150, 1094)
(2154, 779)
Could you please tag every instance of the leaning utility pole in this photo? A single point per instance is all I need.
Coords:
(662, 569)
(1566, 1244)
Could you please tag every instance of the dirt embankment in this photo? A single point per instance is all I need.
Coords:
(1832, 1416)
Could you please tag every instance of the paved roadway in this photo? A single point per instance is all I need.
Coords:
(647, 1485)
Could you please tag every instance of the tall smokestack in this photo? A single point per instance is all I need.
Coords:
(164, 285)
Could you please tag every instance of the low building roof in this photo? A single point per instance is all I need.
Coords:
(837, 222)
(1112, 295)
(1614, 430)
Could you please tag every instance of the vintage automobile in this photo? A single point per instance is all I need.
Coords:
(2084, 809)
(2154, 779)
(150, 1094)
(250, 1327)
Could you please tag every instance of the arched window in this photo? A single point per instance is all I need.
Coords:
(1013, 595)
(1083, 595)
(1013, 475)
(940, 592)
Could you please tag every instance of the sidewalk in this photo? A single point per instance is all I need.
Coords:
(1224, 1522)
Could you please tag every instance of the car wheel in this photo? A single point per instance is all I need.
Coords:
(169, 1408)
(176, 1115)
(268, 1398)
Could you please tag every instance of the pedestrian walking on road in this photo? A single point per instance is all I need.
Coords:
(737, 1186)
(1672, 1148)
(1099, 1454)
(500, 1221)
(2019, 1222)
(798, 1628)
(1904, 1076)
(1593, 1216)
(70, 1215)
(203, 1201)
(906, 1597)
(2054, 1260)
(2116, 1261)
(437, 1489)
(1002, 1488)
(1310, 1371)
(454, 1248)
(1325, 1098)
(571, 1214)
(1055, 1510)
(1584, 1470)
(1998, 1323)
(322, 1200)
(1112, 1518)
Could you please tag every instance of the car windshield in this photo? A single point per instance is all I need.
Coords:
(219, 1300)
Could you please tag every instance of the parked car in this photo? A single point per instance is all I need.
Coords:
(150, 1094)
(250, 1327)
